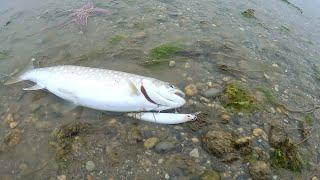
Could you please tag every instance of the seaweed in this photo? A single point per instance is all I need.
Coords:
(4, 54)
(116, 39)
(164, 51)
(238, 98)
(286, 156)
(249, 13)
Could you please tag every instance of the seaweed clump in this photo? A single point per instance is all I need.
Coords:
(238, 98)
(285, 154)
(249, 13)
(164, 51)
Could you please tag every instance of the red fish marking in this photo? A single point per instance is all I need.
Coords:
(144, 92)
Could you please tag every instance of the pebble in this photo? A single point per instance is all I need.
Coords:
(243, 141)
(259, 170)
(276, 87)
(257, 132)
(195, 140)
(205, 100)
(187, 65)
(213, 92)
(166, 176)
(8, 119)
(194, 153)
(164, 147)
(62, 177)
(90, 165)
(314, 178)
(150, 143)
(13, 125)
(225, 118)
(226, 78)
(172, 64)
(191, 90)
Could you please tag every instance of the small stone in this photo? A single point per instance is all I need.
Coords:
(62, 177)
(226, 78)
(259, 170)
(243, 141)
(160, 161)
(172, 63)
(13, 125)
(213, 92)
(314, 178)
(205, 100)
(187, 65)
(257, 132)
(275, 65)
(210, 175)
(8, 119)
(225, 118)
(166, 176)
(194, 153)
(150, 143)
(191, 90)
(276, 87)
(195, 140)
(266, 76)
(164, 147)
(90, 165)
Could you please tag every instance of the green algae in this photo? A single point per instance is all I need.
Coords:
(238, 98)
(249, 13)
(286, 156)
(116, 39)
(308, 119)
(164, 51)
(4, 54)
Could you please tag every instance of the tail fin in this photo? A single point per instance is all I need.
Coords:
(16, 76)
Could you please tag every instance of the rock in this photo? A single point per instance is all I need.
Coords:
(8, 119)
(164, 147)
(62, 177)
(314, 178)
(13, 137)
(172, 63)
(225, 118)
(195, 140)
(243, 141)
(205, 100)
(187, 65)
(166, 176)
(191, 90)
(258, 132)
(90, 165)
(150, 143)
(13, 125)
(134, 136)
(218, 143)
(259, 170)
(210, 175)
(194, 153)
(213, 92)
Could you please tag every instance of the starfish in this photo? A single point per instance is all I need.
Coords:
(80, 16)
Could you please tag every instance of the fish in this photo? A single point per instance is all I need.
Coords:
(103, 89)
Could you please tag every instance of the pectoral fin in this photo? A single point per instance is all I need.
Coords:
(35, 87)
(133, 89)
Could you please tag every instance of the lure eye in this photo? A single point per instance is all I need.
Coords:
(172, 86)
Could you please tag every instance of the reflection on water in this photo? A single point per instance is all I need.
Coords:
(269, 59)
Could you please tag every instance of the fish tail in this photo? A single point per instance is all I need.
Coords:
(17, 76)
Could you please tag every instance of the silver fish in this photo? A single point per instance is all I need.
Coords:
(104, 89)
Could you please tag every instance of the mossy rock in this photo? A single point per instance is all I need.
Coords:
(164, 51)
(238, 98)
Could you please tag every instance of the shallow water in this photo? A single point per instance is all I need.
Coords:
(278, 51)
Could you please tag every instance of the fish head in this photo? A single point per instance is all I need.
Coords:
(165, 95)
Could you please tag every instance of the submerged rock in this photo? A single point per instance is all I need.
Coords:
(218, 143)
(164, 147)
(150, 143)
(259, 170)
(210, 175)
(213, 92)
(191, 90)
(90, 165)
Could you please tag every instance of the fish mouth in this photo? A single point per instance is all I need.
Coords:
(180, 94)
